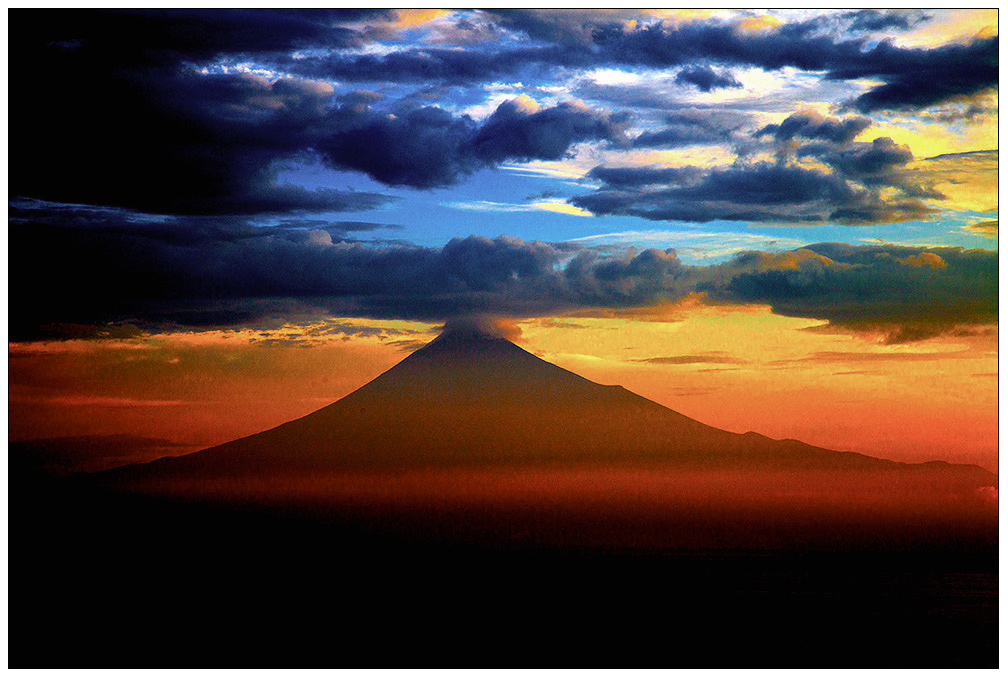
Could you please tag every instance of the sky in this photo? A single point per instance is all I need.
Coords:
(781, 221)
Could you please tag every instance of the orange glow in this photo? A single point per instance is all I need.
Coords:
(736, 368)
(745, 369)
(198, 389)
(759, 22)
(593, 507)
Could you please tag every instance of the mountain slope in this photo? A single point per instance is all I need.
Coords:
(469, 398)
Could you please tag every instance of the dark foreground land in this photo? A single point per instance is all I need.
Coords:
(476, 505)
(102, 579)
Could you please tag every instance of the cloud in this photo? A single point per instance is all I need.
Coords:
(812, 125)
(756, 192)
(421, 148)
(693, 126)
(313, 333)
(636, 96)
(829, 178)
(924, 259)
(428, 147)
(912, 78)
(196, 111)
(843, 45)
(170, 132)
(445, 65)
(190, 273)
(867, 357)
(988, 229)
(171, 136)
(520, 130)
(548, 194)
(859, 159)
(903, 291)
(482, 323)
(919, 78)
(202, 272)
(714, 357)
(970, 180)
(170, 140)
(706, 78)
(875, 20)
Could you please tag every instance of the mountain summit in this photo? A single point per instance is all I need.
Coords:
(472, 398)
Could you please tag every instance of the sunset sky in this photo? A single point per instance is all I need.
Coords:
(778, 221)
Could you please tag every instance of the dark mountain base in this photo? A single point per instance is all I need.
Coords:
(105, 579)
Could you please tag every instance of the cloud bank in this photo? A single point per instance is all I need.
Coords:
(820, 174)
(201, 273)
(195, 111)
(149, 147)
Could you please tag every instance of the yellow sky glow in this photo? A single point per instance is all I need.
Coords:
(739, 368)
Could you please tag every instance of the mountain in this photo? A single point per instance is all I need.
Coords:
(475, 499)
(469, 398)
(67, 455)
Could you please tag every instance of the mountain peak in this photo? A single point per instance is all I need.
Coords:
(480, 327)
(471, 396)
(467, 335)
(474, 361)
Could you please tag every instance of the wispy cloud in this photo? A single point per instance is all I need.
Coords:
(988, 229)
(694, 246)
(714, 357)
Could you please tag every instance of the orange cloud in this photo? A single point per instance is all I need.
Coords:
(924, 259)
(759, 22)
(988, 229)
(766, 261)
(408, 18)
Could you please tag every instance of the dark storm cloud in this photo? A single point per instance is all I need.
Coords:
(861, 159)
(811, 125)
(761, 191)
(428, 147)
(879, 163)
(637, 177)
(852, 188)
(157, 133)
(587, 26)
(437, 64)
(131, 38)
(706, 78)
(865, 20)
(114, 107)
(912, 77)
(915, 293)
(224, 272)
(166, 139)
(421, 148)
(514, 133)
(187, 231)
(917, 78)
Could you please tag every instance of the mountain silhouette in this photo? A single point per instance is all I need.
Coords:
(472, 398)
(473, 492)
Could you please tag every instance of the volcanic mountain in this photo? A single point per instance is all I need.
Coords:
(475, 498)
(470, 398)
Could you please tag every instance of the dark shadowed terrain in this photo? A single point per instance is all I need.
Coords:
(478, 505)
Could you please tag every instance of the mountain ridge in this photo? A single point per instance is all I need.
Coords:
(472, 398)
